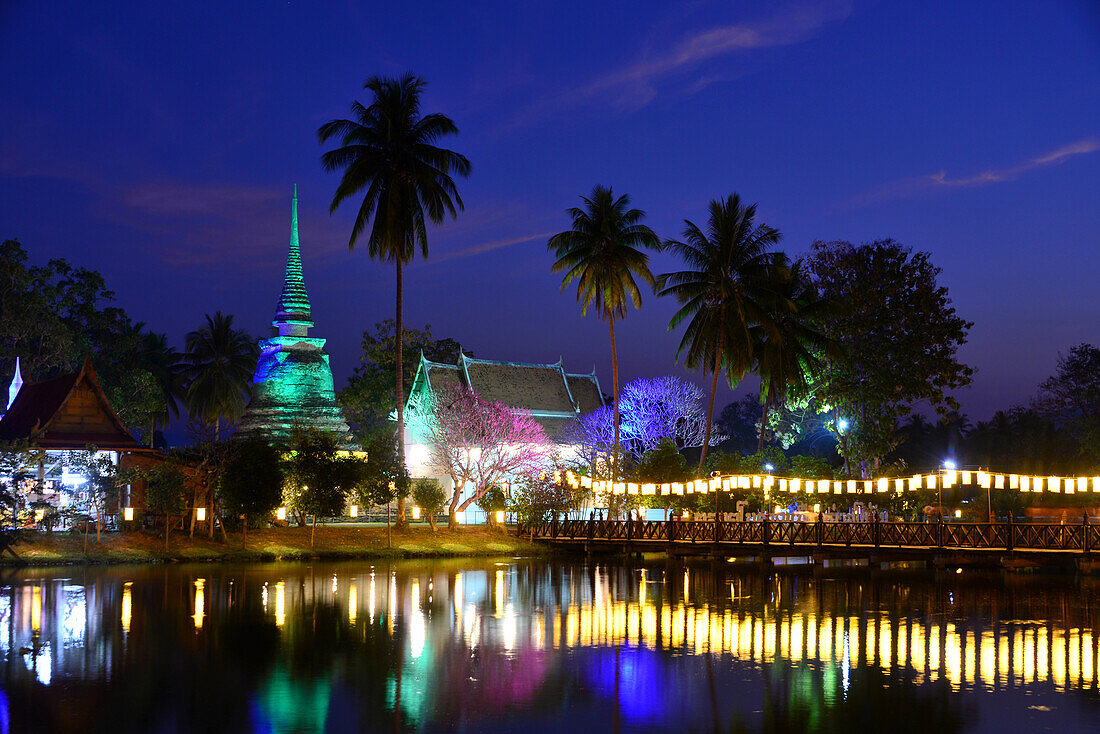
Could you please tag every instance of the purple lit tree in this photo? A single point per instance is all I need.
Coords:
(651, 410)
(482, 442)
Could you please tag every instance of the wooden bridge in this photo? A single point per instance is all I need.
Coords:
(788, 537)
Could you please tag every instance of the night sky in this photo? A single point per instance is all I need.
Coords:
(158, 143)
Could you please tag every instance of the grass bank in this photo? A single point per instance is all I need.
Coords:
(275, 544)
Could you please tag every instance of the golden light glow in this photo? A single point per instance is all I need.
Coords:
(354, 511)
(500, 516)
(200, 603)
(126, 605)
(416, 513)
(281, 513)
(200, 514)
(128, 514)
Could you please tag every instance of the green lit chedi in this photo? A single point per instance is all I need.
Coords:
(293, 385)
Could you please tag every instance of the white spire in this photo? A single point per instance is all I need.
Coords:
(16, 383)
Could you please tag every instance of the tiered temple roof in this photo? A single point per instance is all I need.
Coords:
(553, 396)
(293, 383)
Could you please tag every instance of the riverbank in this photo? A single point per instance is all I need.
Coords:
(276, 544)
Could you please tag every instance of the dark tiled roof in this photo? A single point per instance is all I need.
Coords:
(555, 428)
(532, 387)
(39, 403)
(585, 392)
(443, 375)
(35, 404)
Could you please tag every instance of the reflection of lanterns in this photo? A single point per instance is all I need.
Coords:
(200, 514)
(355, 510)
(199, 602)
(416, 513)
(500, 516)
(128, 514)
(280, 513)
(126, 606)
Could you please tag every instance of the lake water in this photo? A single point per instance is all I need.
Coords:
(535, 646)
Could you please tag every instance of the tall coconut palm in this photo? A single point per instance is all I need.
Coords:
(604, 254)
(788, 343)
(388, 154)
(730, 276)
(220, 363)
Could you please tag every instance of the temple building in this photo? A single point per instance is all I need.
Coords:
(293, 381)
(552, 396)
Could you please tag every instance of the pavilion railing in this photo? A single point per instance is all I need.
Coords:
(1082, 536)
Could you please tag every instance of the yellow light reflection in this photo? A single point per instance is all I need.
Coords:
(200, 602)
(126, 605)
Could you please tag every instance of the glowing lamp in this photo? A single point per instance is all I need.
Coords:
(817, 508)
(200, 514)
(930, 481)
(984, 480)
(416, 513)
(1096, 484)
(666, 488)
(958, 513)
(500, 516)
(649, 489)
(836, 487)
(778, 509)
(999, 481)
(851, 486)
(949, 479)
(39, 514)
(631, 488)
(884, 484)
(743, 482)
(783, 487)
(1055, 484)
(354, 511)
(1082, 484)
(823, 486)
(726, 483)
(757, 481)
(1025, 484)
(128, 514)
(965, 477)
(618, 488)
(677, 488)
(899, 485)
(281, 513)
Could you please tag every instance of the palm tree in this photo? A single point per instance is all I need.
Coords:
(730, 277)
(603, 254)
(167, 367)
(220, 363)
(787, 342)
(388, 153)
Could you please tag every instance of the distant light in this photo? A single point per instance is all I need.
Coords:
(769, 467)
(842, 425)
(128, 514)
(281, 513)
(500, 516)
(416, 513)
(200, 514)
(958, 513)
(355, 510)
(949, 465)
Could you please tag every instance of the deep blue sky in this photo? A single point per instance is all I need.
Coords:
(158, 143)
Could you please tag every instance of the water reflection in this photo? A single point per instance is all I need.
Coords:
(529, 645)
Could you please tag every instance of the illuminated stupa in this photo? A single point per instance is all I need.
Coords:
(293, 381)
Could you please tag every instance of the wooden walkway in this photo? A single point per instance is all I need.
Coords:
(782, 537)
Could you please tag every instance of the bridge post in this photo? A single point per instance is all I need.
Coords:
(820, 528)
(764, 533)
(554, 527)
(940, 530)
(591, 529)
(1010, 535)
(875, 530)
(1086, 546)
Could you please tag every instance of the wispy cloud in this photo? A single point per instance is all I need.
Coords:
(636, 84)
(902, 188)
(484, 247)
(997, 175)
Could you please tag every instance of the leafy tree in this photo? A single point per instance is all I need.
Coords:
(663, 464)
(166, 367)
(1070, 398)
(1024, 441)
(788, 344)
(164, 482)
(492, 500)
(899, 335)
(538, 498)
(810, 467)
(603, 253)
(738, 422)
(319, 476)
(51, 316)
(388, 153)
(251, 484)
(730, 276)
(429, 496)
(385, 476)
(370, 395)
(18, 463)
(220, 363)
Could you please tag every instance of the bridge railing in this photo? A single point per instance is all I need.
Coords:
(1082, 537)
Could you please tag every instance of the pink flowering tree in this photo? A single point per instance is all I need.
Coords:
(482, 443)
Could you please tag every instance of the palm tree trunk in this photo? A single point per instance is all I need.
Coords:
(615, 395)
(764, 420)
(399, 337)
(713, 389)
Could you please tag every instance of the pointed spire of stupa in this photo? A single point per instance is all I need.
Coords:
(16, 384)
(294, 301)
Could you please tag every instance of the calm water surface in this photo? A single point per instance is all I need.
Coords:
(530, 646)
